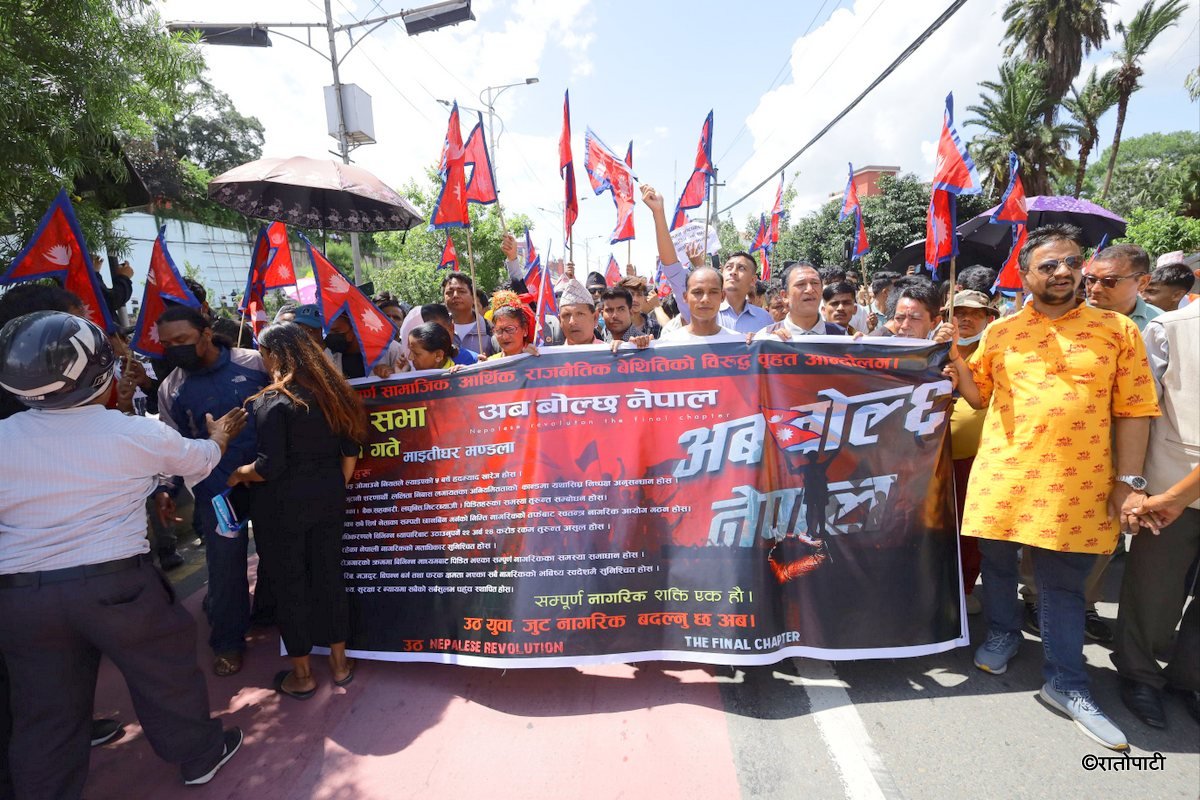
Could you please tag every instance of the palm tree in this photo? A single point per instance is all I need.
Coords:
(1146, 25)
(1087, 106)
(1059, 33)
(1012, 114)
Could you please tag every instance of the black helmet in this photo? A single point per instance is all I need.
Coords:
(50, 359)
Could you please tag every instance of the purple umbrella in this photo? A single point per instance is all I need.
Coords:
(1095, 222)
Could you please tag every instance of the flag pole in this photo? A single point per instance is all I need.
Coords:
(242, 325)
(950, 296)
(628, 252)
(471, 261)
(707, 216)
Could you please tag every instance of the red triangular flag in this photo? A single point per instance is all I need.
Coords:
(57, 250)
(449, 255)
(163, 282)
(695, 191)
(450, 210)
(612, 275)
(336, 296)
(481, 188)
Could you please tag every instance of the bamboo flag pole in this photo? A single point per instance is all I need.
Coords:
(478, 317)
(950, 296)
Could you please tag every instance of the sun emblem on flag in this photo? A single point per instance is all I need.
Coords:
(59, 254)
(370, 321)
(285, 272)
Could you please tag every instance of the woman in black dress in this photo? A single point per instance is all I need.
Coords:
(310, 425)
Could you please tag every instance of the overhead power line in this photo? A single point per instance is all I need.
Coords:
(908, 51)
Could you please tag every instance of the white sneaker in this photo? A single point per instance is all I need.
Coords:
(1080, 707)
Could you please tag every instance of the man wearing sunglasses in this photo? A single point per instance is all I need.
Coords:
(1069, 396)
(1115, 280)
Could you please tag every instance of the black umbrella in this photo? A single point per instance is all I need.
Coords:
(314, 193)
(1097, 223)
(969, 254)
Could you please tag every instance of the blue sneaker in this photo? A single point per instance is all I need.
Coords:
(994, 654)
(1081, 708)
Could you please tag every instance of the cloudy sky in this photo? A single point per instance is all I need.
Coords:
(773, 72)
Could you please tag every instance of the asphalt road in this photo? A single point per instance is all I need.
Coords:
(931, 727)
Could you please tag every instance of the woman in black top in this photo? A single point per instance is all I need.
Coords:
(310, 423)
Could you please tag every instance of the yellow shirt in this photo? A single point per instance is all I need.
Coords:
(966, 427)
(1044, 468)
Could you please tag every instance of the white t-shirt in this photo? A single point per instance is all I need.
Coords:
(684, 335)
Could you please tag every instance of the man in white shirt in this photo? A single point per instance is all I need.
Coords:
(703, 298)
(76, 578)
(803, 286)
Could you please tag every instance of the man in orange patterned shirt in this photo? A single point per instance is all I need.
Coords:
(1058, 470)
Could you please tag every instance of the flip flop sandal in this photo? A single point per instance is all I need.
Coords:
(349, 675)
(227, 664)
(277, 684)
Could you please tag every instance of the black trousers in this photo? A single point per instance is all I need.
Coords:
(52, 636)
(298, 525)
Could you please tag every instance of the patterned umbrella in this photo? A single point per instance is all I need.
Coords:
(314, 193)
(1095, 222)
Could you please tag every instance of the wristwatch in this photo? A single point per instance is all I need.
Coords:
(1135, 482)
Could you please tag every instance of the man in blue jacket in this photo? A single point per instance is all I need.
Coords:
(212, 377)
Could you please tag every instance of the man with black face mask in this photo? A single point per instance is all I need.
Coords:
(209, 376)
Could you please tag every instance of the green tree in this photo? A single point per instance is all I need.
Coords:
(1057, 33)
(209, 131)
(413, 255)
(1087, 106)
(1159, 231)
(75, 82)
(1012, 116)
(1136, 38)
(1152, 171)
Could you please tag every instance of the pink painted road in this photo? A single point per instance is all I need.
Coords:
(438, 731)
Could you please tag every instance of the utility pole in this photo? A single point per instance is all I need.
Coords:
(343, 145)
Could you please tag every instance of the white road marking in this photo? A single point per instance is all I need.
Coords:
(861, 771)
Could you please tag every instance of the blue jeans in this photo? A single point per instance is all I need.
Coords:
(1061, 578)
(228, 606)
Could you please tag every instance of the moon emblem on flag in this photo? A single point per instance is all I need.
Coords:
(59, 254)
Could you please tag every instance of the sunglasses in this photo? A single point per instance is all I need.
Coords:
(1111, 281)
(1048, 268)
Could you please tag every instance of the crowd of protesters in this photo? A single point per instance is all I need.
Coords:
(1075, 421)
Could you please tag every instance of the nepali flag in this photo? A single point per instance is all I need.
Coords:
(336, 296)
(481, 186)
(762, 238)
(851, 207)
(163, 283)
(1013, 211)
(450, 210)
(660, 280)
(777, 213)
(612, 275)
(270, 268)
(766, 263)
(449, 255)
(953, 174)
(546, 304)
(1087, 265)
(57, 250)
(534, 273)
(695, 191)
(566, 169)
(792, 430)
(609, 173)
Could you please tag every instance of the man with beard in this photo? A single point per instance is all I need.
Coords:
(1069, 396)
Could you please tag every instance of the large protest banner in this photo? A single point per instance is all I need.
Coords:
(722, 504)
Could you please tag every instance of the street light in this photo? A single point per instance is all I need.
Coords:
(493, 93)
(256, 34)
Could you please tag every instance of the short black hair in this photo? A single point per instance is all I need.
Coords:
(883, 280)
(1136, 256)
(745, 255)
(760, 288)
(197, 289)
(182, 313)
(26, 298)
(924, 292)
(1045, 235)
(617, 293)
(482, 298)
(433, 336)
(462, 278)
(834, 289)
(1176, 275)
(386, 300)
(977, 279)
(787, 273)
(832, 274)
(435, 312)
